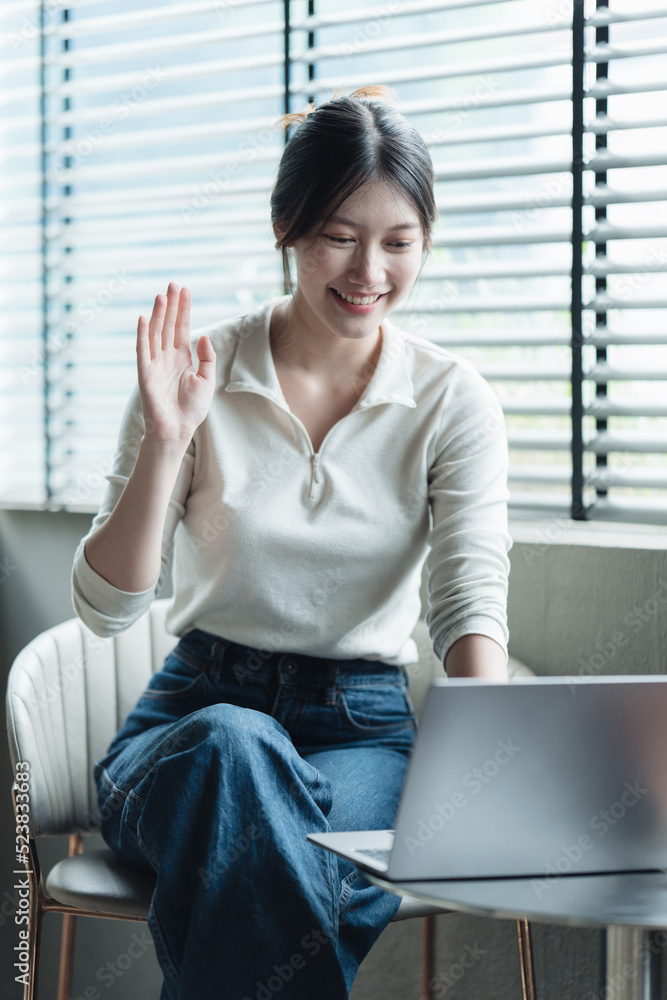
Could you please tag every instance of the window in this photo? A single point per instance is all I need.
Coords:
(139, 148)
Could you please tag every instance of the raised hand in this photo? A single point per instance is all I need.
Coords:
(174, 396)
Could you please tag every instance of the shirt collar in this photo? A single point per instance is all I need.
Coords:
(253, 369)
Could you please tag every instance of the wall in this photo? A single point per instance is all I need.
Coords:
(582, 599)
(588, 599)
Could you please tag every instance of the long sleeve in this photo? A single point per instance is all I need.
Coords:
(468, 564)
(105, 609)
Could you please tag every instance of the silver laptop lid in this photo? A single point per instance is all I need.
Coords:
(541, 777)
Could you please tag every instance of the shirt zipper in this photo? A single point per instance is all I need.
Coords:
(315, 475)
(315, 456)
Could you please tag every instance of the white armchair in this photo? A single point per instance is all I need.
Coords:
(68, 693)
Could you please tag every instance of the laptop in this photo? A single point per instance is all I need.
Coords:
(541, 777)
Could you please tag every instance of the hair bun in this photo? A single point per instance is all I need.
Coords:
(378, 92)
(294, 117)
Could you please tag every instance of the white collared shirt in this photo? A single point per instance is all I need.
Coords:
(284, 549)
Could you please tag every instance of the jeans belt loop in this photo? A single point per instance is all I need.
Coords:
(215, 658)
(332, 680)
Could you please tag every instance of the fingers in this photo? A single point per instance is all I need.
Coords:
(169, 323)
(155, 325)
(182, 327)
(206, 357)
(143, 346)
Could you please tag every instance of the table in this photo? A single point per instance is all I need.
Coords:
(631, 907)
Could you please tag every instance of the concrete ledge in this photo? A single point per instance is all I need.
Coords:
(563, 531)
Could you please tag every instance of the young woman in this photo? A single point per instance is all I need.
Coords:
(300, 474)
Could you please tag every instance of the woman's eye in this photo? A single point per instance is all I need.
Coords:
(401, 245)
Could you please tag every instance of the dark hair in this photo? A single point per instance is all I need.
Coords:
(333, 151)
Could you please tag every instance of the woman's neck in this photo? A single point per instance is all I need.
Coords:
(320, 358)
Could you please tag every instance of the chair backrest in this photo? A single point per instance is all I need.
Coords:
(69, 692)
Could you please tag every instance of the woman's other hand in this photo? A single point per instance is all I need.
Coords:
(174, 396)
(476, 655)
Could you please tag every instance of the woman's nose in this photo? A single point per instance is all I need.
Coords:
(367, 268)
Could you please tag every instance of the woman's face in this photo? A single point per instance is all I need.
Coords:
(372, 249)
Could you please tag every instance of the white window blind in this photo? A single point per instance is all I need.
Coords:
(138, 149)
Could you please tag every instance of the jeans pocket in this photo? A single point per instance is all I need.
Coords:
(381, 708)
(180, 676)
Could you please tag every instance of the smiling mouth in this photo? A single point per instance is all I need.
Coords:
(359, 300)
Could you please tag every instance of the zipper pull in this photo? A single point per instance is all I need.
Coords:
(315, 477)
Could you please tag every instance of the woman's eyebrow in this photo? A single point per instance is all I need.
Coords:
(391, 229)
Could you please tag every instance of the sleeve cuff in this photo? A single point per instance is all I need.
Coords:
(100, 603)
(478, 626)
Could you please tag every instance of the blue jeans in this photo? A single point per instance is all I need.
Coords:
(229, 758)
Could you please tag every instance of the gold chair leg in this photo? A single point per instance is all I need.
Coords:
(428, 956)
(34, 941)
(526, 960)
(66, 957)
(35, 914)
(68, 932)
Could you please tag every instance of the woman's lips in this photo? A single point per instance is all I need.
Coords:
(352, 308)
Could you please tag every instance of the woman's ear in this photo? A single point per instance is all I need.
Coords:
(278, 232)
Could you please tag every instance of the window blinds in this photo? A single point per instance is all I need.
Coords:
(139, 148)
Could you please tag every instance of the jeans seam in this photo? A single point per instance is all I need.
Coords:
(111, 786)
(346, 888)
(186, 692)
(205, 660)
(365, 683)
(161, 944)
(145, 849)
(392, 727)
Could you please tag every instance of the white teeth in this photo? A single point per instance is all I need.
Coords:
(356, 300)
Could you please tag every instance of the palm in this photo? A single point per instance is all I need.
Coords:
(175, 396)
